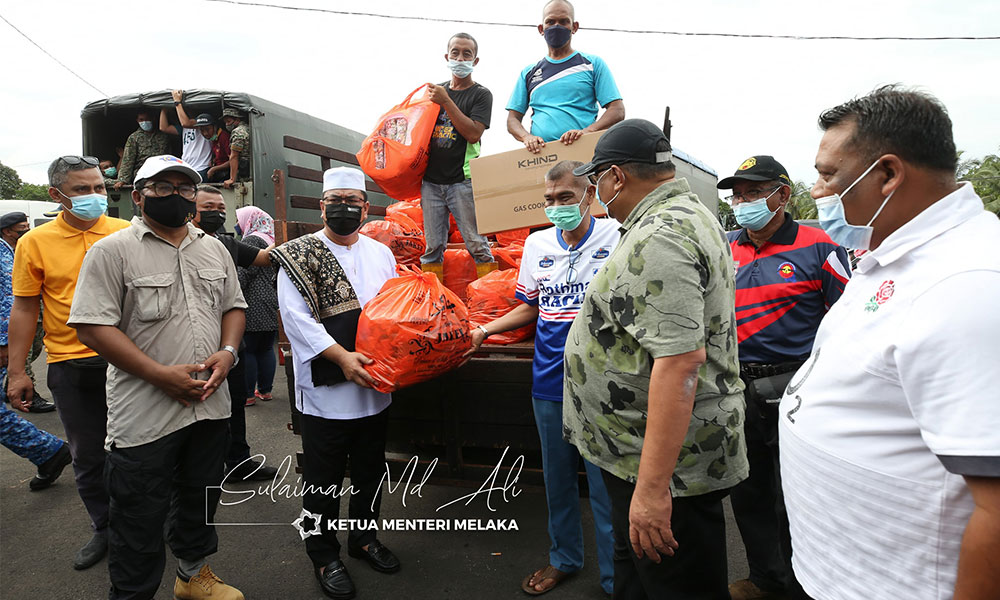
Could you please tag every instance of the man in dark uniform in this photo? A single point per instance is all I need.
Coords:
(787, 277)
(211, 215)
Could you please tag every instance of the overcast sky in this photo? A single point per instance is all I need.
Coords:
(729, 98)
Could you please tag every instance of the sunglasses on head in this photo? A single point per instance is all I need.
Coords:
(73, 160)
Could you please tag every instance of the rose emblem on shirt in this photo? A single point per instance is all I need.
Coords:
(885, 291)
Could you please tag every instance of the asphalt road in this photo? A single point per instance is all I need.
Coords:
(41, 531)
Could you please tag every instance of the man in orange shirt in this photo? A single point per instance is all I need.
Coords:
(46, 266)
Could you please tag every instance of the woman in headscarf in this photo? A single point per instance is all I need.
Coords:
(258, 283)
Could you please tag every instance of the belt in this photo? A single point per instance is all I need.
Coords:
(760, 370)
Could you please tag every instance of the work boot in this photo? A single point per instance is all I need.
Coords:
(744, 589)
(483, 269)
(436, 268)
(51, 469)
(205, 584)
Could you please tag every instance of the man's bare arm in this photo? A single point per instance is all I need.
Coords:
(979, 557)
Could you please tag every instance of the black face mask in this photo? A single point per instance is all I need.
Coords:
(211, 220)
(170, 211)
(343, 219)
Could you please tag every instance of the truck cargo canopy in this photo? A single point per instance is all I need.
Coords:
(163, 99)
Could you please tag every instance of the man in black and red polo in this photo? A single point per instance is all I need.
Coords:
(787, 277)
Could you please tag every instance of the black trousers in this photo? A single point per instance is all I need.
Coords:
(239, 449)
(327, 446)
(78, 389)
(696, 571)
(759, 504)
(164, 481)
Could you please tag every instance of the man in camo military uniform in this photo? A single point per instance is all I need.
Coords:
(652, 389)
(239, 147)
(144, 142)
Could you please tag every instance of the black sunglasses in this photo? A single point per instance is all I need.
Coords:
(73, 160)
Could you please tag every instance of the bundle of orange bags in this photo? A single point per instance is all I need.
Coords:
(414, 330)
(400, 234)
(490, 298)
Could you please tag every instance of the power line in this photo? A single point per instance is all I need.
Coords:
(611, 29)
(47, 53)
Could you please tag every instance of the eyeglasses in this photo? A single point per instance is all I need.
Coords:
(162, 188)
(595, 176)
(348, 200)
(574, 257)
(73, 160)
(750, 196)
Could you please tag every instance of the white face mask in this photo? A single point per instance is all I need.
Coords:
(461, 68)
(834, 222)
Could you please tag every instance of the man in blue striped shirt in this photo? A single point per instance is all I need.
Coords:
(564, 90)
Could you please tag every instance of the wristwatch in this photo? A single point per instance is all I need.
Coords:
(233, 351)
(177, 103)
(483, 329)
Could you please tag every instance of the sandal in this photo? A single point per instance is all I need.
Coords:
(548, 573)
(265, 397)
(251, 401)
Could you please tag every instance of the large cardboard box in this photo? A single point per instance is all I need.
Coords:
(509, 187)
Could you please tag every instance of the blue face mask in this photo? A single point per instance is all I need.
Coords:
(566, 217)
(111, 171)
(88, 206)
(557, 36)
(834, 222)
(461, 68)
(146, 125)
(238, 230)
(754, 215)
(597, 193)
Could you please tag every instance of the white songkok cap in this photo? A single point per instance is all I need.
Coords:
(344, 178)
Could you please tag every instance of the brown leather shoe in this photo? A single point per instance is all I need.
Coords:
(744, 589)
(205, 585)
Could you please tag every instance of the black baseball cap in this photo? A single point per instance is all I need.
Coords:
(631, 140)
(757, 168)
(203, 120)
(12, 218)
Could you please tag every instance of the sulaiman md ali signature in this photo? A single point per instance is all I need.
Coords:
(279, 489)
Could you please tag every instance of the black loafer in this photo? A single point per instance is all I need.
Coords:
(378, 556)
(51, 469)
(336, 581)
(250, 470)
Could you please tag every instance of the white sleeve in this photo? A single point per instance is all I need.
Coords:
(949, 368)
(527, 287)
(308, 338)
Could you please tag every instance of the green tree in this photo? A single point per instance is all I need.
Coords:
(10, 183)
(801, 205)
(984, 174)
(33, 191)
(726, 217)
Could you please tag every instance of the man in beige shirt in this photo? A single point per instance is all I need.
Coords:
(161, 302)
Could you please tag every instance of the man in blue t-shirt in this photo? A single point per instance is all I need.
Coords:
(556, 268)
(564, 90)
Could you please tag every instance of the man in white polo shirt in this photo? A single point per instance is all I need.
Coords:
(556, 268)
(890, 432)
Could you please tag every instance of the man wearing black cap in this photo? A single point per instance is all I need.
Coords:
(12, 226)
(652, 391)
(787, 277)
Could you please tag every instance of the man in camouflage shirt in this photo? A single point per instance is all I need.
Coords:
(652, 386)
(239, 147)
(144, 142)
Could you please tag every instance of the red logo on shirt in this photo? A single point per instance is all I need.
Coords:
(885, 291)
(786, 270)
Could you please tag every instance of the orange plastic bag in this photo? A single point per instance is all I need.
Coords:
(508, 257)
(410, 209)
(414, 330)
(491, 297)
(514, 236)
(459, 270)
(395, 154)
(401, 235)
